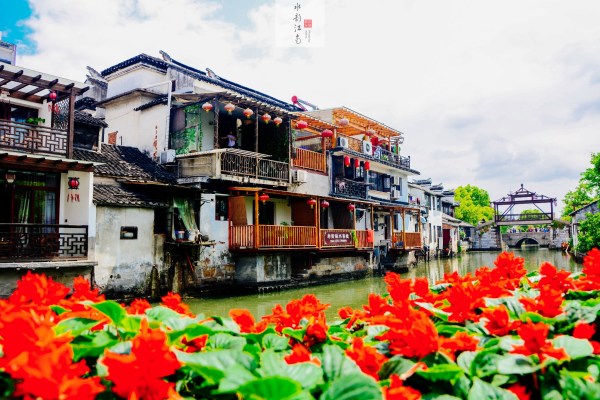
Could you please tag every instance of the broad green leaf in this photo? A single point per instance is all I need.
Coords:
(485, 363)
(581, 295)
(376, 330)
(75, 325)
(58, 309)
(275, 342)
(297, 334)
(213, 365)
(433, 396)
(92, 345)
(483, 390)
(443, 315)
(226, 341)
(307, 373)
(113, 310)
(395, 365)
(515, 308)
(574, 388)
(511, 364)
(441, 372)
(335, 364)
(271, 388)
(353, 387)
(234, 377)
(465, 360)
(575, 348)
(258, 337)
(449, 330)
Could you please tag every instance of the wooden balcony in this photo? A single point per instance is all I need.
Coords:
(310, 160)
(33, 139)
(379, 154)
(42, 242)
(233, 164)
(407, 240)
(279, 237)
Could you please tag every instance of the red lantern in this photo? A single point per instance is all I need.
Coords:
(327, 133)
(301, 124)
(266, 118)
(370, 132)
(263, 197)
(324, 204)
(356, 163)
(277, 121)
(367, 165)
(229, 107)
(207, 106)
(351, 207)
(343, 122)
(52, 96)
(73, 183)
(311, 202)
(347, 161)
(248, 113)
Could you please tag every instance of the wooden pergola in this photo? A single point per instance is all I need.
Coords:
(33, 86)
(523, 197)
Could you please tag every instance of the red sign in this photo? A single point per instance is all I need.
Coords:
(307, 23)
(337, 238)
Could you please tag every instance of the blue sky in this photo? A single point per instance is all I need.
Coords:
(492, 94)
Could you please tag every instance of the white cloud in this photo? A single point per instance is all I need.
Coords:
(493, 94)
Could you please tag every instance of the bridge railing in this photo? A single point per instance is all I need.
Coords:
(522, 218)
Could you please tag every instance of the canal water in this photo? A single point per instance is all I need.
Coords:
(355, 293)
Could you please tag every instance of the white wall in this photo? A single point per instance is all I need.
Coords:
(136, 78)
(316, 185)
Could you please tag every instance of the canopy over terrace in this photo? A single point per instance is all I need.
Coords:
(26, 85)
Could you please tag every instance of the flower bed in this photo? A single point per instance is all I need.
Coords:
(500, 334)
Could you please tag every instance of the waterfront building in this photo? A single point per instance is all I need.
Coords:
(577, 217)
(46, 218)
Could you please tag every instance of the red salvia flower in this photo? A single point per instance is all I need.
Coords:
(414, 336)
(173, 301)
(396, 391)
(295, 311)
(143, 370)
(464, 300)
(520, 391)
(138, 307)
(548, 303)
(82, 290)
(535, 337)
(194, 345)
(38, 290)
(246, 322)
(299, 354)
(461, 341)
(584, 331)
(316, 332)
(497, 321)
(555, 279)
(591, 270)
(368, 359)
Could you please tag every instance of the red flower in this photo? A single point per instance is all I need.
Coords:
(349, 313)
(461, 341)
(38, 290)
(464, 300)
(591, 271)
(368, 359)
(520, 391)
(509, 267)
(82, 290)
(295, 311)
(301, 354)
(396, 391)
(555, 279)
(245, 321)
(584, 331)
(413, 336)
(142, 371)
(548, 303)
(138, 307)
(316, 332)
(173, 301)
(194, 345)
(535, 337)
(398, 288)
(497, 321)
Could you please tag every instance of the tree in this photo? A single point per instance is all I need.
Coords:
(474, 204)
(591, 176)
(529, 215)
(589, 233)
(575, 199)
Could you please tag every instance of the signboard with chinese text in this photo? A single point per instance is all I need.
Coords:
(337, 239)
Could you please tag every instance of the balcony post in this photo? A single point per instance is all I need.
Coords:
(71, 125)
(216, 122)
(317, 215)
(256, 233)
(404, 228)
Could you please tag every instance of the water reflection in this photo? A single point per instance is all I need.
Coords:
(355, 293)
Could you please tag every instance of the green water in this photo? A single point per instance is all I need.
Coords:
(355, 293)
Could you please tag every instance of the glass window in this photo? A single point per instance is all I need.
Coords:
(221, 210)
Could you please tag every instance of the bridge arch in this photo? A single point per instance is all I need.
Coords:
(527, 240)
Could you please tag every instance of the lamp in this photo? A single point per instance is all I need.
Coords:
(277, 121)
(351, 207)
(324, 204)
(301, 124)
(263, 197)
(311, 202)
(10, 178)
(248, 113)
(207, 106)
(229, 107)
(327, 133)
(266, 118)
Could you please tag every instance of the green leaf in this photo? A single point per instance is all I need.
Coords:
(162, 314)
(376, 330)
(335, 364)
(575, 348)
(75, 325)
(213, 365)
(234, 377)
(92, 345)
(574, 388)
(226, 341)
(483, 390)
(465, 360)
(485, 363)
(271, 388)
(395, 365)
(442, 372)
(581, 295)
(275, 342)
(511, 364)
(113, 310)
(353, 387)
(307, 373)
(58, 309)
(443, 315)
(434, 396)
(294, 334)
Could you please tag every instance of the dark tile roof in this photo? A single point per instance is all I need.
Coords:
(159, 100)
(85, 103)
(125, 162)
(85, 118)
(201, 75)
(120, 195)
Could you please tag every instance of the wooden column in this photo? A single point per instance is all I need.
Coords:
(256, 236)
(404, 228)
(71, 125)
(216, 123)
(256, 136)
(290, 144)
(317, 214)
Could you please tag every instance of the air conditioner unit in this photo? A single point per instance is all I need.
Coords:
(367, 147)
(299, 176)
(395, 194)
(167, 156)
(343, 142)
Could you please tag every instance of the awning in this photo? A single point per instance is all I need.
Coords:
(34, 162)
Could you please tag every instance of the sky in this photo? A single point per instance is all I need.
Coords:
(488, 93)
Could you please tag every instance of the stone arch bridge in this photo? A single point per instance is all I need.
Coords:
(542, 239)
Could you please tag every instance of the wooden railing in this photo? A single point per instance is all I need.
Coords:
(32, 138)
(362, 239)
(345, 238)
(42, 241)
(308, 159)
(348, 187)
(379, 153)
(241, 237)
(523, 218)
(279, 236)
(407, 240)
(235, 162)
